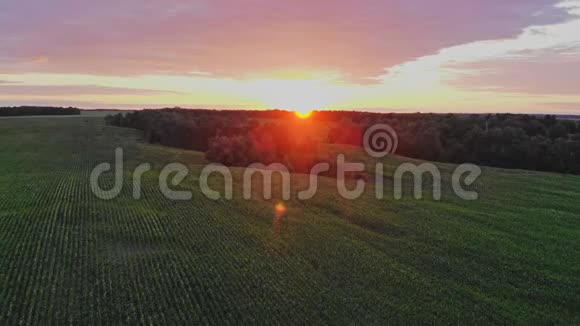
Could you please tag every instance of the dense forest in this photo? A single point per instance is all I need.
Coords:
(37, 110)
(236, 137)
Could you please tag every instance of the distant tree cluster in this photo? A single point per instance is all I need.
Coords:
(266, 143)
(233, 138)
(501, 140)
(242, 137)
(171, 127)
(37, 110)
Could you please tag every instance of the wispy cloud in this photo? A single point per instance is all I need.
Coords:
(74, 90)
(562, 107)
(508, 57)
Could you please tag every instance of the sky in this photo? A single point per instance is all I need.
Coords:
(388, 55)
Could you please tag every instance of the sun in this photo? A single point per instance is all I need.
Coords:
(303, 114)
(297, 95)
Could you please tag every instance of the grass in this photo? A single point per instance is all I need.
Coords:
(67, 257)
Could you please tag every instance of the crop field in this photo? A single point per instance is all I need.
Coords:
(67, 257)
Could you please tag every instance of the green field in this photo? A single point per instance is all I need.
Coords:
(67, 257)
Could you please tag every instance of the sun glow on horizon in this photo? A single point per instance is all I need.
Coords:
(303, 114)
(299, 95)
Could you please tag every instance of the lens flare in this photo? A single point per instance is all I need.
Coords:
(280, 210)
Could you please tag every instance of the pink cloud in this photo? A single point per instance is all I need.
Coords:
(242, 38)
(74, 90)
(534, 72)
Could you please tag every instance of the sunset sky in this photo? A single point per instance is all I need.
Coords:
(387, 55)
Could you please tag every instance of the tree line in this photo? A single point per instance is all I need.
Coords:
(233, 138)
(237, 137)
(37, 110)
(501, 140)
